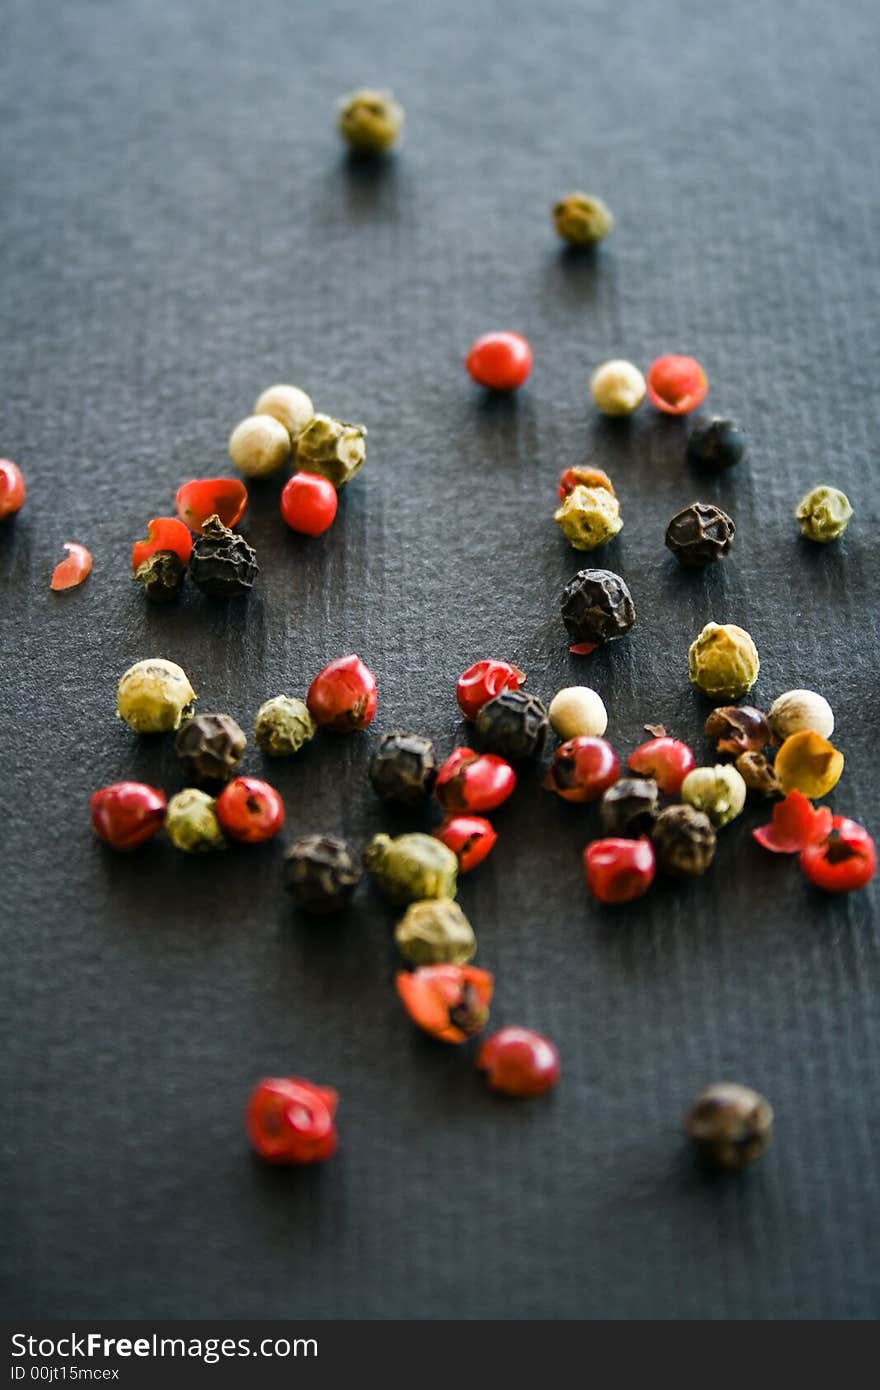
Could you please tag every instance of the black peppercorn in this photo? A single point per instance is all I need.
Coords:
(403, 768)
(629, 808)
(684, 841)
(222, 563)
(597, 607)
(758, 774)
(321, 872)
(738, 729)
(210, 747)
(717, 444)
(513, 725)
(700, 534)
(729, 1125)
(161, 575)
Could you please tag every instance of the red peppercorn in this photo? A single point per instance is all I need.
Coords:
(470, 781)
(500, 361)
(204, 497)
(518, 1062)
(582, 769)
(250, 810)
(843, 860)
(342, 696)
(290, 1120)
(163, 533)
(484, 680)
(794, 824)
(676, 385)
(619, 870)
(70, 572)
(667, 760)
(451, 1002)
(469, 837)
(12, 488)
(126, 814)
(309, 503)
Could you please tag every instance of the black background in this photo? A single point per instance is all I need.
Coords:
(179, 230)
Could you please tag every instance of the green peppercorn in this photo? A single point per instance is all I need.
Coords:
(191, 822)
(700, 534)
(513, 725)
(370, 121)
(684, 841)
(161, 575)
(411, 867)
(331, 448)
(282, 726)
(210, 747)
(723, 661)
(729, 1125)
(222, 563)
(588, 517)
(154, 696)
(435, 932)
(581, 219)
(758, 774)
(629, 808)
(403, 768)
(823, 514)
(321, 872)
(719, 791)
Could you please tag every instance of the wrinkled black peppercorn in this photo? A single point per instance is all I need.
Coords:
(403, 768)
(210, 747)
(758, 774)
(222, 563)
(513, 725)
(629, 808)
(321, 873)
(738, 729)
(161, 575)
(729, 1125)
(597, 607)
(684, 841)
(717, 444)
(700, 534)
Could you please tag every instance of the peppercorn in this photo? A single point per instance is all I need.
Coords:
(738, 729)
(578, 711)
(808, 763)
(126, 814)
(283, 725)
(70, 572)
(484, 680)
(412, 867)
(588, 517)
(222, 563)
(403, 768)
(469, 781)
(321, 872)
(287, 404)
(259, 445)
(585, 476)
(797, 710)
(582, 769)
(794, 824)
(154, 696)
(369, 121)
(676, 384)
(470, 838)
(823, 514)
(843, 859)
(342, 697)
(597, 607)
(451, 1002)
(500, 361)
(435, 932)
(290, 1120)
(684, 841)
(191, 822)
(513, 725)
(667, 760)
(202, 498)
(729, 1125)
(758, 775)
(519, 1062)
(629, 808)
(720, 791)
(309, 504)
(582, 220)
(619, 871)
(210, 747)
(617, 387)
(250, 810)
(717, 444)
(330, 448)
(12, 489)
(162, 576)
(700, 534)
(723, 661)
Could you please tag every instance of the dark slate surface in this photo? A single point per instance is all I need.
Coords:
(180, 229)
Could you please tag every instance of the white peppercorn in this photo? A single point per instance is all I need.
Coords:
(259, 445)
(287, 404)
(797, 710)
(578, 710)
(617, 387)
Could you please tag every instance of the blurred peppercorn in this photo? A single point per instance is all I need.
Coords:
(684, 841)
(321, 872)
(729, 1125)
(738, 729)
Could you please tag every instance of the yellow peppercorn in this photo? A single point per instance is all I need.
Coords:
(581, 219)
(723, 661)
(153, 696)
(259, 445)
(370, 121)
(289, 405)
(589, 516)
(808, 763)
